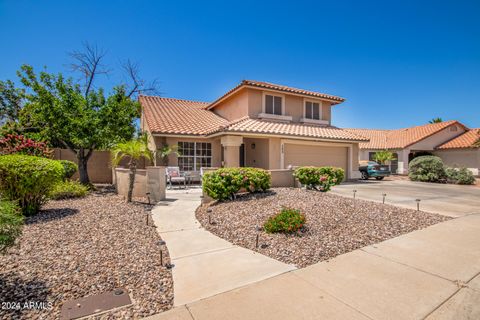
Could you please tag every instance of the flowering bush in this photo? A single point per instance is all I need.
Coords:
(18, 144)
(223, 184)
(288, 220)
(319, 178)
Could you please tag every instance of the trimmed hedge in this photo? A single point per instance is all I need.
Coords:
(11, 222)
(427, 169)
(319, 178)
(69, 168)
(28, 180)
(224, 183)
(459, 176)
(288, 220)
(68, 189)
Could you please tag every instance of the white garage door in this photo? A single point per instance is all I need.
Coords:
(319, 156)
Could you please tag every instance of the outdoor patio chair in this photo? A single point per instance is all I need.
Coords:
(174, 175)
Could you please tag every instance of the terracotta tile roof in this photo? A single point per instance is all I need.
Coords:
(249, 125)
(277, 87)
(175, 116)
(401, 138)
(470, 139)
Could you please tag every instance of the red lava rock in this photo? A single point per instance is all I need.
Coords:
(333, 225)
(80, 247)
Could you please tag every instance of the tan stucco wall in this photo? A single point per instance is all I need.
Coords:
(437, 139)
(235, 107)
(282, 178)
(259, 156)
(249, 102)
(139, 186)
(274, 154)
(469, 158)
(99, 165)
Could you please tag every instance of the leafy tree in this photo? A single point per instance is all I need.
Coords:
(11, 99)
(73, 114)
(436, 120)
(383, 156)
(134, 150)
(79, 122)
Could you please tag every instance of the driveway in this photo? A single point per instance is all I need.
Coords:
(450, 200)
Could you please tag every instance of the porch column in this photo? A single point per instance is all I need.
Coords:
(403, 161)
(231, 150)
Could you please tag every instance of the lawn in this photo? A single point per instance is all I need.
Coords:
(81, 247)
(333, 224)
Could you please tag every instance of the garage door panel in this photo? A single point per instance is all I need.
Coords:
(320, 156)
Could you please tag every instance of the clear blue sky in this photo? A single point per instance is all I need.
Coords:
(398, 63)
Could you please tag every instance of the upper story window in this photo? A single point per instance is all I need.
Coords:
(273, 104)
(312, 110)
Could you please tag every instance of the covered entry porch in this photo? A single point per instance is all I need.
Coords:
(279, 153)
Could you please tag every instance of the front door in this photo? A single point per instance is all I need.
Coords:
(241, 161)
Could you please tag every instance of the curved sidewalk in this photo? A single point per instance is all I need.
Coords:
(205, 265)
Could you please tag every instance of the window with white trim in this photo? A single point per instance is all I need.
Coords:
(312, 110)
(273, 104)
(194, 155)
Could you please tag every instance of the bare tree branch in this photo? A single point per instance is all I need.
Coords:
(136, 84)
(89, 63)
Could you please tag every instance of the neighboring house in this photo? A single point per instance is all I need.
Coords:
(462, 151)
(436, 138)
(255, 124)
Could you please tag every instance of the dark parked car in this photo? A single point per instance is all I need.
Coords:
(373, 169)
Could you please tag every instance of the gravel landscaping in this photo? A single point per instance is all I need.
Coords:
(333, 226)
(81, 247)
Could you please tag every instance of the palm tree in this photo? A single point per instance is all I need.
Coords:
(134, 150)
(165, 151)
(436, 120)
(383, 156)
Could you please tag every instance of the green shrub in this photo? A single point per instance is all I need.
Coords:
(426, 169)
(69, 168)
(224, 183)
(68, 189)
(28, 180)
(459, 176)
(288, 220)
(320, 178)
(11, 222)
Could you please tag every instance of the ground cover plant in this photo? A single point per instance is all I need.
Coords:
(333, 224)
(67, 190)
(11, 222)
(287, 220)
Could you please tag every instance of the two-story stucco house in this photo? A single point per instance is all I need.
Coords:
(255, 124)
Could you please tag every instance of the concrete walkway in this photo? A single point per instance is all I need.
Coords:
(205, 265)
(427, 274)
(446, 199)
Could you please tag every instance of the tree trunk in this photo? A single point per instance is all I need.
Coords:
(82, 167)
(133, 171)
